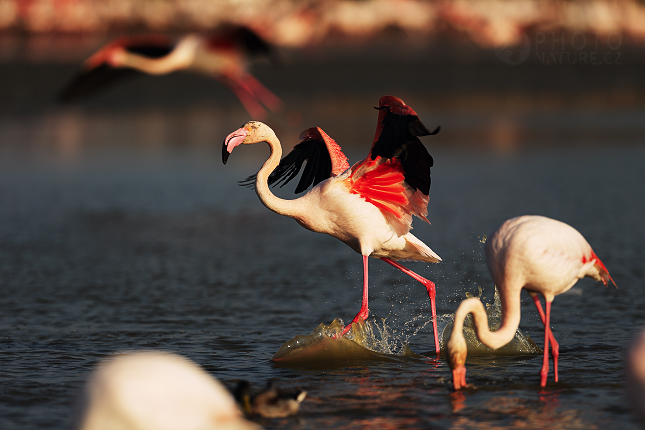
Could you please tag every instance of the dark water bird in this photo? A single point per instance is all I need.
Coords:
(369, 206)
(224, 55)
(270, 402)
(535, 253)
(151, 390)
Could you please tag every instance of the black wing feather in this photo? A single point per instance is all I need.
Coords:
(316, 170)
(399, 140)
(91, 81)
(150, 51)
(251, 42)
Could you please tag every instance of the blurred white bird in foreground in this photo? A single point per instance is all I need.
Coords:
(636, 375)
(157, 391)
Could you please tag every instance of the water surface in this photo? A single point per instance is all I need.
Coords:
(123, 230)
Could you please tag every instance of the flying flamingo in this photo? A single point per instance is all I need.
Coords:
(223, 55)
(368, 207)
(535, 253)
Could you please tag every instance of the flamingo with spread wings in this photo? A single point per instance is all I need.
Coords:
(223, 55)
(369, 206)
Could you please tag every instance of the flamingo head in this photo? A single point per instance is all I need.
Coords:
(459, 377)
(457, 352)
(250, 133)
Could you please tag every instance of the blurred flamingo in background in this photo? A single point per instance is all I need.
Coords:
(535, 253)
(370, 206)
(224, 56)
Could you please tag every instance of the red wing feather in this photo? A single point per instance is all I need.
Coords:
(339, 161)
(382, 183)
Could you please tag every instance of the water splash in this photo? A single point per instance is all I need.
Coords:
(365, 341)
(520, 345)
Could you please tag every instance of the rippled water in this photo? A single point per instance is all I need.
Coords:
(125, 231)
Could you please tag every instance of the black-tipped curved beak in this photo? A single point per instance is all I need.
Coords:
(232, 140)
(225, 153)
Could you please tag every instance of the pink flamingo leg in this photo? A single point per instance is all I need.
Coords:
(545, 364)
(364, 312)
(430, 287)
(262, 93)
(555, 347)
(246, 96)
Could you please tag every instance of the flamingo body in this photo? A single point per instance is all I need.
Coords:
(535, 253)
(224, 56)
(369, 206)
(544, 255)
(357, 222)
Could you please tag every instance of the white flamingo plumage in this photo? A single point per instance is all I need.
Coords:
(535, 253)
(369, 206)
(153, 390)
(635, 378)
(223, 55)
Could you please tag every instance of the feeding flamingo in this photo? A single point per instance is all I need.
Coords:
(368, 207)
(223, 55)
(535, 253)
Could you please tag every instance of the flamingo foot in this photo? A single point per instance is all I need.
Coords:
(360, 318)
(343, 333)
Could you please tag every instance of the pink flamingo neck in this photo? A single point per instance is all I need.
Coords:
(291, 208)
(492, 339)
(181, 57)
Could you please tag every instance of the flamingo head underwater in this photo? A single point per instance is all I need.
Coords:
(456, 352)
